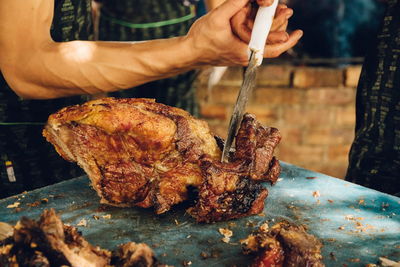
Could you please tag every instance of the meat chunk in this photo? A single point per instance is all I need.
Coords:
(141, 153)
(48, 242)
(133, 254)
(231, 190)
(283, 245)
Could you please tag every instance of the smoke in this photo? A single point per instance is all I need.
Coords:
(336, 28)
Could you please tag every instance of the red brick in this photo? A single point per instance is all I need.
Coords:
(330, 96)
(266, 115)
(317, 77)
(229, 77)
(202, 94)
(339, 153)
(329, 135)
(307, 116)
(232, 77)
(291, 135)
(334, 170)
(313, 166)
(346, 116)
(352, 75)
(299, 154)
(202, 78)
(224, 94)
(278, 96)
(274, 75)
(213, 111)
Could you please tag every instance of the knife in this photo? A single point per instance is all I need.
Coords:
(259, 34)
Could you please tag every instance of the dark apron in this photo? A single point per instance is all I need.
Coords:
(375, 153)
(139, 20)
(27, 160)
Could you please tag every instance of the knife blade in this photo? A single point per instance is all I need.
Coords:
(261, 28)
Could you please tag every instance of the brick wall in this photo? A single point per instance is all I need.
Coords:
(312, 107)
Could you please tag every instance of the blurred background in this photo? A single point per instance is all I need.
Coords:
(308, 93)
(336, 29)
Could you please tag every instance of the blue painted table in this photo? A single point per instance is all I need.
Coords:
(355, 224)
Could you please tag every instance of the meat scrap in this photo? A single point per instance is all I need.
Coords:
(14, 205)
(48, 242)
(283, 245)
(137, 152)
(226, 233)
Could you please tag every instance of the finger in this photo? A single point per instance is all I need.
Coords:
(245, 34)
(283, 27)
(279, 8)
(276, 50)
(230, 8)
(277, 37)
(241, 26)
(281, 18)
(251, 16)
(265, 2)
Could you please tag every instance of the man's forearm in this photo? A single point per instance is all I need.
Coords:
(211, 4)
(37, 67)
(79, 67)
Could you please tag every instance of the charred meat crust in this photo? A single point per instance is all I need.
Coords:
(232, 190)
(255, 146)
(141, 153)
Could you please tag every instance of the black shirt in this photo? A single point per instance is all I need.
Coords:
(375, 153)
(27, 160)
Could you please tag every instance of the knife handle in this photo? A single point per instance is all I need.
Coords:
(261, 28)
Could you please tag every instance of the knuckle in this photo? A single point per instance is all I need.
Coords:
(242, 60)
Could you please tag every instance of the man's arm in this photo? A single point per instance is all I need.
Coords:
(211, 4)
(37, 67)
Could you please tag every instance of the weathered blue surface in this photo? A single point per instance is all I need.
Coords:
(356, 224)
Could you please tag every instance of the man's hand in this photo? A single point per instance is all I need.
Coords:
(222, 36)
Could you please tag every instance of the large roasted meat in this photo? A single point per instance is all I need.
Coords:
(141, 153)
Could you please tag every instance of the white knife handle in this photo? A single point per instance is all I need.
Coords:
(261, 28)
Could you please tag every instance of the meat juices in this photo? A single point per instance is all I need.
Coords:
(137, 152)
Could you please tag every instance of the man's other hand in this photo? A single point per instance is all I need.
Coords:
(221, 37)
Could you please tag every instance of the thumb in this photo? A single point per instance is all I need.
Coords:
(265, 2)
(231, 7)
